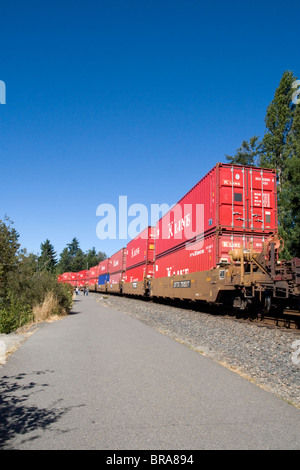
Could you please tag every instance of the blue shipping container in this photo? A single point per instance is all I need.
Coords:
(103, 279)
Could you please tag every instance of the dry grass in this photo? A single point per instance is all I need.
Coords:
(49, 310)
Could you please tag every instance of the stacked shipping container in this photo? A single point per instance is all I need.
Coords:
(117, 266)
(103, 277)
(93, 276)
(82, 278)
(230, 207)
(139, 261)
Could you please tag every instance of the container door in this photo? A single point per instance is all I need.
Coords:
(262, 200)
(233, 202)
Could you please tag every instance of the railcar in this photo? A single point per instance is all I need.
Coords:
(219, 244)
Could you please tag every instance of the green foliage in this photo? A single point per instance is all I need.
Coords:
(14, 313)
(64, 294)
(93, 258)
(247, 153)
(23, 286)
(73, 259)
(8, 250)
(47, 260)
(279, 121)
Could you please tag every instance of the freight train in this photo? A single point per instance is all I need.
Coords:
(219, 245)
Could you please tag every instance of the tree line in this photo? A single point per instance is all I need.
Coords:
(71, 259)
(280, 149)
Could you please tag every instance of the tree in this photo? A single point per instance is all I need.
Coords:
(9, 247)
(248, 152)
(93, 258)
(73, 247)
(64, 264)
(47, 260)
(278, 120)
(289, 197)
(72, 258)
(280, 150)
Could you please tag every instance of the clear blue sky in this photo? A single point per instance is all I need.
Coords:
(136, 98)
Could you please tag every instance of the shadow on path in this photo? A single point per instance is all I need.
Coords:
(17, 416)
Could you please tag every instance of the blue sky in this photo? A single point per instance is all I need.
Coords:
(137, 98)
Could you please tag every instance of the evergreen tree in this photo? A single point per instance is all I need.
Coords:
(248, 152)
(78, 261)
(289, 198)
(93, 258)
(278, 120)
(73, 247)
(280, 150)
(72, 258)
(65, 262)
(47, 260)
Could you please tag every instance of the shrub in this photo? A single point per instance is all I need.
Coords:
(33, 299)
(14, 314)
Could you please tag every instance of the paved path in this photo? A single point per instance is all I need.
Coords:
(99, 379)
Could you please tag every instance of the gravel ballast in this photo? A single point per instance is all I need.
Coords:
(268, 356)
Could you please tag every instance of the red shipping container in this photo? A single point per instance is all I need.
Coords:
(94, 271)
(205, 254)
(66, 276)
(83, 275)
(118, 261)
(229, 197)
(115, 278)
(74, 276)
(93, 281)
(139, 273)
(104, 266)
(140, 250)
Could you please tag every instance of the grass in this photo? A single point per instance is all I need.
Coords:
(48, 309)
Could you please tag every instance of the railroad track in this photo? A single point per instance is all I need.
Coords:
(289, 319)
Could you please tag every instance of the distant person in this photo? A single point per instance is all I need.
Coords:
(84, 291)
(87, 291)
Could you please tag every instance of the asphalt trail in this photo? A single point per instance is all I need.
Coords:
(100, 379)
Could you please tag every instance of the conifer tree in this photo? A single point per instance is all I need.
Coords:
(289, 197)
(47, 260)
(280, 150)
(248, 152)
(278, 120)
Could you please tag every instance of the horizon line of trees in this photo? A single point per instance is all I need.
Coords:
(71, 259)
(280, 149)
